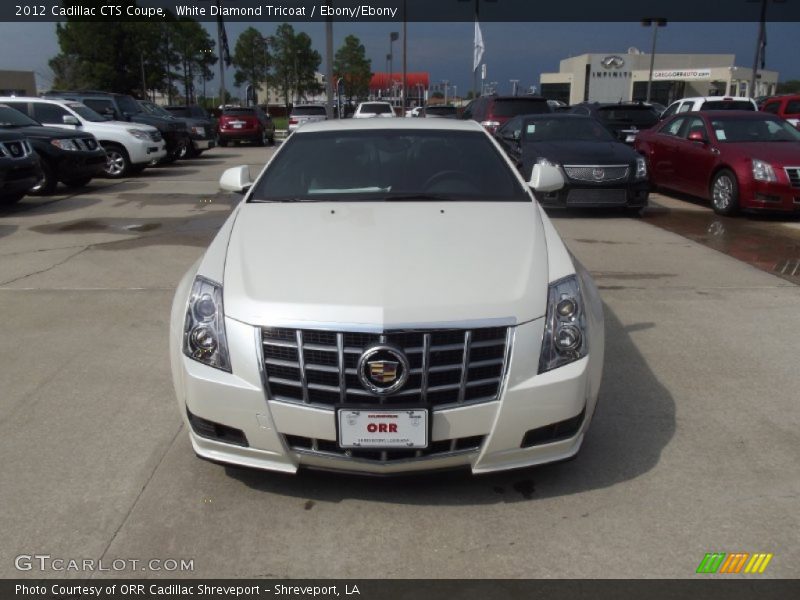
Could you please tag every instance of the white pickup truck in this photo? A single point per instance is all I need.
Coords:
(130, 147)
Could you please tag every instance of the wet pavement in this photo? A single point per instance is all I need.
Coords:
(763, 241)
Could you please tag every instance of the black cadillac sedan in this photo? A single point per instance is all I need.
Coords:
(599, 170)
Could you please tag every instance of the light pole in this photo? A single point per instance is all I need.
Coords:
(393, 37)
(446, 84)
(761, 44)
(656, 23)
(514, 84)
(339, 97)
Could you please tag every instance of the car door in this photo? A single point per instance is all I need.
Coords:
(694, 159)
(661, 153)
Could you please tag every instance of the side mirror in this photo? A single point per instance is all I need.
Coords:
(546, 178)
(70, 120)
(236, 179)
(697, 136)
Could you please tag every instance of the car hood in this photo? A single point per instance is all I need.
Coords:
(778, 153)
(119, 125)
(386, 265)
(48, 133)
(579, 153)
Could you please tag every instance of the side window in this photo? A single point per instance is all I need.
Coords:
(671, 110)
(673, 127)
(513, 129)
(792, 107)
(685, 107)
(49, 113)
(772, 107)
(693, 125)
(104, 107)
(22, 107)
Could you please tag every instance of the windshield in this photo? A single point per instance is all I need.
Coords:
(441, 110)
(730, 130)
(389, 165)
(520, 106)
(643, 117)
(85, 112)
(308, 111)
(727, 105)
(239, 112)
(557, 130)
(128, 105)
(10, 117)
(376, 108)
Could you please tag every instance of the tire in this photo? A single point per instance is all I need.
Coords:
(47, 185)
(223, 143)
(78, 182)
(118, 164)
(183, 152)
(725, 193)
(191, 152)
(272, 139)
(10, 199)
(262, 140)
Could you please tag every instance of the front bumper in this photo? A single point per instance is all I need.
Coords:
(483, 437)
(574, 195)
(19, 176)
(74, 165)
(778, 196)
(230, 135)
(200, 144)
(146, 151)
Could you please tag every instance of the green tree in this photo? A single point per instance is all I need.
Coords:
(789, 87)
(194, 52)
(251, 58)
(352, 65)
(295, 64)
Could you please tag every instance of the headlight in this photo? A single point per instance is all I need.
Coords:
(763, 171)
(65, 144)
(204, 328)
(139, 134)
(201, 131)
(641, 168)
(564, 338)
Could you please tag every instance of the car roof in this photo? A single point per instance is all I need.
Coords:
(393, 124)
(721, 98)
(743, 114)
(36, 99)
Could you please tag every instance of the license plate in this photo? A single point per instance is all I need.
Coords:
(383, 428)
(631, 138)
(237, 125)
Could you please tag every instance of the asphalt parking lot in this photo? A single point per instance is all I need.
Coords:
(694, 448)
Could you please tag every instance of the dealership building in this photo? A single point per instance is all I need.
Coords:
(17, 83)
(609, 77)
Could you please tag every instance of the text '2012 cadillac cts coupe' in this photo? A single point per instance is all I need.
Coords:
(388, 297)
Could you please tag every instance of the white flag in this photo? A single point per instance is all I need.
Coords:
(478, 47)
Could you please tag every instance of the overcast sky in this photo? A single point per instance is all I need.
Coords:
(513, 50)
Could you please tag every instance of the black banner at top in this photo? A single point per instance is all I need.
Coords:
(400, 10)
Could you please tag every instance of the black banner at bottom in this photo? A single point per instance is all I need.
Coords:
(401, 589)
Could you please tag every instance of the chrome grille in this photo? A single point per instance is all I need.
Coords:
(447, 367)
(793, 173)
(597, 173)
(602, 197)
(18, 149)
(438, 449)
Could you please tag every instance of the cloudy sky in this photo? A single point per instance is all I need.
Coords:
(513, 50)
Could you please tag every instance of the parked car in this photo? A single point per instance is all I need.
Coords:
(122, 107)
(368, 110)
(71, 157)
(328, 354)
(598, 169)
(417, 111)
(709, 103)
(245, 124)
(787, 107)
(441, 111)
(129, 148)
(493, 111)
(735, 159)
(19, 166)
(623, 119)
(202, 133)
(306, 113)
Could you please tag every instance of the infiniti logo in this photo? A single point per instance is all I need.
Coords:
(613, 62)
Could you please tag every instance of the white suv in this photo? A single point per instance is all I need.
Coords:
(130, 147)
(710, 103)
(368, 110)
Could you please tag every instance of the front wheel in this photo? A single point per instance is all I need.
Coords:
(47, 184)
(117, 162)
(725, 193)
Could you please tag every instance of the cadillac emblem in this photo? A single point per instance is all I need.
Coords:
(598, 174)
(383, 369)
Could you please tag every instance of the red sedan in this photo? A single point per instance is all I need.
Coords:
(735, 159)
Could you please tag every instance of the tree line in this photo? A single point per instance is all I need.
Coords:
(176, 58)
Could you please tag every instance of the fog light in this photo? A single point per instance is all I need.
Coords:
(568, 337)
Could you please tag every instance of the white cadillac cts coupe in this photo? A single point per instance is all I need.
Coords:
(388, 297)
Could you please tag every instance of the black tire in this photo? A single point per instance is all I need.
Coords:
(261, 140)
(118, 163)
(272, 139)
(724, 193)
(10, 199)
(223, 143)
(47, 185)
(78, 182)
(191, 152)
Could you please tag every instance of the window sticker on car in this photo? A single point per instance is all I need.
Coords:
(720, 134)
(531, 128)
